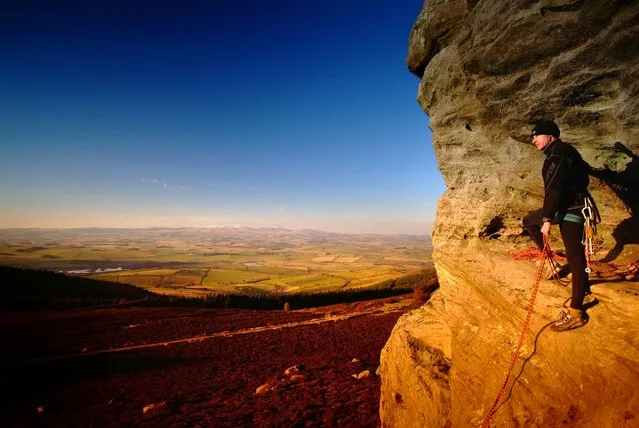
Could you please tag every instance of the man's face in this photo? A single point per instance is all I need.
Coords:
(542, 141)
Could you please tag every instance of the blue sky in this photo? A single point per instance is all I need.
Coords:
(281, 113)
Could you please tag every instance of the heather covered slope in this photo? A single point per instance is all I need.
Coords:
(139, 366)
(488, 70)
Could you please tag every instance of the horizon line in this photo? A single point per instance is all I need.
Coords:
(209, 227)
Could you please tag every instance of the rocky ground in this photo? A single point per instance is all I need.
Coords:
(200, 367)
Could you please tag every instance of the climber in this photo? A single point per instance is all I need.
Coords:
(565, 176)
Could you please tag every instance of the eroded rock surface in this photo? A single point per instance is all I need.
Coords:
(489, 70)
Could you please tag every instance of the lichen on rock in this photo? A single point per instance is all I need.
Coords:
(489, 70)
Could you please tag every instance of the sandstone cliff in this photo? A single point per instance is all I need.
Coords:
(488, 70)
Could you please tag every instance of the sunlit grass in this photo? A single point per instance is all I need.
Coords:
(223, 276)
(306, 282)
(194, 263)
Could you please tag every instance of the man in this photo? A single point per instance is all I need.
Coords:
(565, 177)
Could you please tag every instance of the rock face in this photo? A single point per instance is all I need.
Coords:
(489, 70)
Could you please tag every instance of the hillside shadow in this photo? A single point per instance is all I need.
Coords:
(38, 382)
(625, 184)
(52, 374)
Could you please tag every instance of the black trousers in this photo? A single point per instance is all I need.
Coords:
(571, 235)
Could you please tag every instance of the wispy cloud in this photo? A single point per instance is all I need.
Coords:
(164, 184)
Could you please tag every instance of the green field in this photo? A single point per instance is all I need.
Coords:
(223, 276)
(196, 262)
(306, 283)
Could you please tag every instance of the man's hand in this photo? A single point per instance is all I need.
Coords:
(545, 229)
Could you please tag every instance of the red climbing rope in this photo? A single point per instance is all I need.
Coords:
(591, 218)
(543, 256)
(532, 253)
(600, 269)
(547, 255)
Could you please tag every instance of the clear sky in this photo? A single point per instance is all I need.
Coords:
(299, 114)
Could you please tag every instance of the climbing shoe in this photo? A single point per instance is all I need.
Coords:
(570, 319)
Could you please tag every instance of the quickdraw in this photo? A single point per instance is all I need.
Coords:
(590, 230)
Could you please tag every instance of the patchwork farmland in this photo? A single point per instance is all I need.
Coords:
(195, 262)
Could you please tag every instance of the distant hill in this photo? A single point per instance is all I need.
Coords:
(27, 288)
(9, 235)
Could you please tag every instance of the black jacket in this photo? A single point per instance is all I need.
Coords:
(565, 179)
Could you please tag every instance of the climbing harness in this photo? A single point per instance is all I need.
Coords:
(590, 220)
(531, 305)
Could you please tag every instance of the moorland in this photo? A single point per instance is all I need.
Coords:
(166, 366)
(154, 363)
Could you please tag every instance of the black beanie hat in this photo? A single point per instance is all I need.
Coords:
(545, 127)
